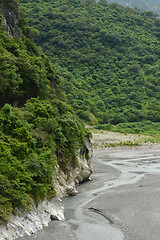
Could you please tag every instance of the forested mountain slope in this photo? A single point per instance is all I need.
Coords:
(147, 5)
(38, 129)
(24, 72)
(106, 54)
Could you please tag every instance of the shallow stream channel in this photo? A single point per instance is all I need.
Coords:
(88, 215)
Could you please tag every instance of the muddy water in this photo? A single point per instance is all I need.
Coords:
(89, 227)
(113, 168)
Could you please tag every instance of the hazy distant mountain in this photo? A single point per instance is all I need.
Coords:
(148, 5)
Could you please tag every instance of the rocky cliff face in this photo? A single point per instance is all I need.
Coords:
(34, 220)
(27, 223)
(10, 21)
(66, 183)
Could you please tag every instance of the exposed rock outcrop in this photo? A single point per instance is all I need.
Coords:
(38, 217)
(10, 21)
(66, 183)
(33, 220)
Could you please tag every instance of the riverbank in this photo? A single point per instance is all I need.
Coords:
(37, 217)
(59, 229)
(122, 198)
(104, 139)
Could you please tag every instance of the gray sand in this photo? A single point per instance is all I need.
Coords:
(135, 208)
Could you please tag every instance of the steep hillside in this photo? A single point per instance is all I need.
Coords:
(24, 72)
(108, 57)
(39, 132)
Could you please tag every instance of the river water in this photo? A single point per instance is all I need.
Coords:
(113, 168)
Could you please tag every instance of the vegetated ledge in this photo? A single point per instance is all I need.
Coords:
(29, 222)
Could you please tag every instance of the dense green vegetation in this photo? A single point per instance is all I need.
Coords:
(33, 139)
(108, 57)
(24, 71)
(38, 129)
